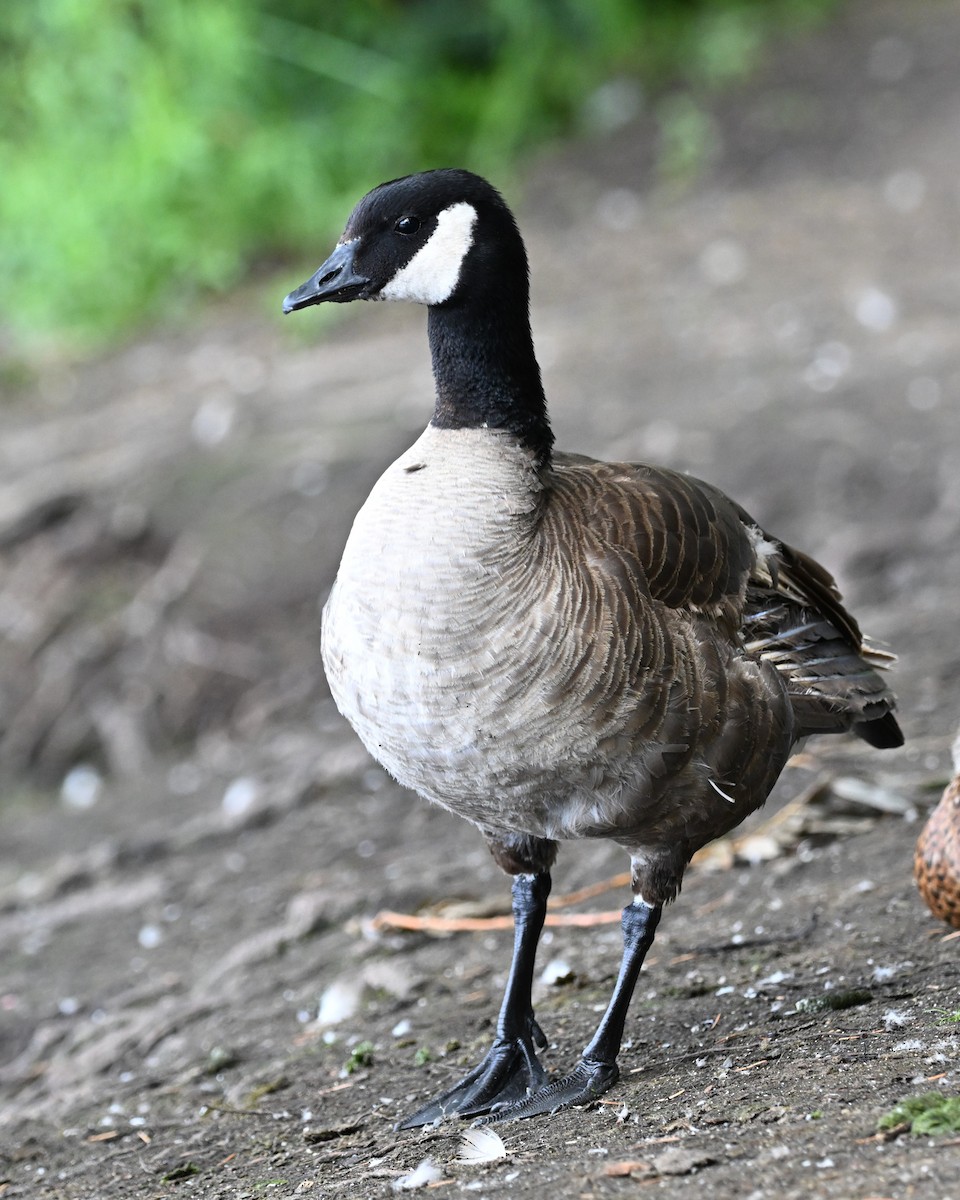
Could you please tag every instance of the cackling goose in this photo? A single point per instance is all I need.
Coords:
(555, 647)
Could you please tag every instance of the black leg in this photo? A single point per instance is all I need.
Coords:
(597, 1069)
(510, 1070)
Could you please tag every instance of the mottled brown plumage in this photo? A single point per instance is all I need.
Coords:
(554, 647)
(936, 863)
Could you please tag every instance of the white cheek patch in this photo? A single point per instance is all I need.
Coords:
(432, 274)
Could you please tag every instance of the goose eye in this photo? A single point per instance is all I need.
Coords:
(407, 226)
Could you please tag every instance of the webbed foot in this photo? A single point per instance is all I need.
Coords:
(585, 1083)
(508, 1073)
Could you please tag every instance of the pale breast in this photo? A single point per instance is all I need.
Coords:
(444, 638)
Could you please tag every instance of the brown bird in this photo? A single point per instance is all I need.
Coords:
(554, 647)
(936, 862)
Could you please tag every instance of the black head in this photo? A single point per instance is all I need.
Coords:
(427, 238)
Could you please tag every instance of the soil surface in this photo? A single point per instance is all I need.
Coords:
(196, 998)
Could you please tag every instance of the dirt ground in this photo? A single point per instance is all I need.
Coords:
(195, 997)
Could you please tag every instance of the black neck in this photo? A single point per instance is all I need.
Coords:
(485, 369)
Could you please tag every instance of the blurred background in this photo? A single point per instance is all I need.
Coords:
(157, 154)
(743, 220)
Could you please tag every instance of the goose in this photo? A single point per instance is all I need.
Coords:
(936, 860)
(554, 647)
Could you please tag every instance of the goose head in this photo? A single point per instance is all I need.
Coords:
(428, 238)
(447, 240)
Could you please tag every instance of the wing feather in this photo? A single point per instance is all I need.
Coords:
(684, 544)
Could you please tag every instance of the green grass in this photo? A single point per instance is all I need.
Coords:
(931, 1113)
(360, 1057)
(152, 154)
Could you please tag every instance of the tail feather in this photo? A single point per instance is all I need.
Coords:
(883, 733)
(833, 678)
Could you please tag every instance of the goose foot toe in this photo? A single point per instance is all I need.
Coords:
(508, 1072)
(585, 1083)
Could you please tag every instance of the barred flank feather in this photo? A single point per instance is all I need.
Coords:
(702, 553)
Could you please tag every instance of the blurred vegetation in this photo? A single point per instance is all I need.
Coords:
(154, 151)
(926, 1115)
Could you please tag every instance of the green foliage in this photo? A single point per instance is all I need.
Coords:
(153, 151)
(361, 1056)
(931, 1113)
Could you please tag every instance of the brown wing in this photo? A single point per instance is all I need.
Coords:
(701, 553)
(691, 543)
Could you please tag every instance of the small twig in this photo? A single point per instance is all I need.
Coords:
(749, 1067)
(885, 1135)
(385, 919)
(585, 920)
